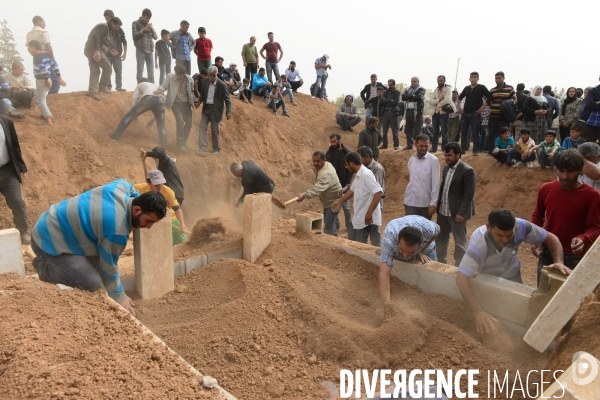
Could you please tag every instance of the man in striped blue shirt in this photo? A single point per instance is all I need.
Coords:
(79, 240)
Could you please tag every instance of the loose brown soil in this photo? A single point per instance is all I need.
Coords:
(213, 244)
(296, 317)
(61, 344)
(204, 228)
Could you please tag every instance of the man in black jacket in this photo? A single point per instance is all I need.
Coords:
(336, 156)
(516, 125)
(166, 165)
(215, 99)
(254, 179)
(455, 204)
(391, 111)
(12, 167)
(413, 96)
(370, 91)
(589, 116)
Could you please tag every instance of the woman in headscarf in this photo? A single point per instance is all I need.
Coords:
(569, 113)
(534, 114)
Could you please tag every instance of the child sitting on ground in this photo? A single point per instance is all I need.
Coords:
(547, 150)
(43, 65)
(245, 92)
(503, 145)
(523, 150)
(286, 89)
(575, 138)
(276, 100)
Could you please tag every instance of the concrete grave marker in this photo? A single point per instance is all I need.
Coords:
(11, 256)
(257, 225)
(153, 255)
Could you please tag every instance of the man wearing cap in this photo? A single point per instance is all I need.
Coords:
(166, 165)
(293, 76)
(347, 114)
(155, 182)
(254, 179)
(21, 90)
(321, 66)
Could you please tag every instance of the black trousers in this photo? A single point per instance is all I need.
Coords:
(22, 98)
(494, 126)
(296, 84)
(251, 69)
(10, 188)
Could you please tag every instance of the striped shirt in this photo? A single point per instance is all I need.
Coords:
(96, 223)
(389, 244)
(498, 96)
(483, 257)
(43, 65)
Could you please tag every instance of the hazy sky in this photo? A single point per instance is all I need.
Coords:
(533, 44)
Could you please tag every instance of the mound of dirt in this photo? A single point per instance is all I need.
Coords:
(296, 317)
(74, 343)
(206, 227)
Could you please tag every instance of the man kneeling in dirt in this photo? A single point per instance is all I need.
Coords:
(254, 179)
(407, 238)
(79, 240)
(493, 250)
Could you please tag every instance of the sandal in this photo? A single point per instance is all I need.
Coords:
(45, 123)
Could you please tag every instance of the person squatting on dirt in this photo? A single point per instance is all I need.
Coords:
(78, 241)
(254, 179)
(327, 186)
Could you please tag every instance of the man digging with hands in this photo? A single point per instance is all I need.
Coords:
(493, 250)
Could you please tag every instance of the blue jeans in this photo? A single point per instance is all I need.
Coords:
(288, 92)
(117, 64)
(329, 222)
(474, 122)
(262, 91)
(369, 115)
(320, 82)
(480, 139)
(543, 158)
(513, 157)
(439, 121)
(156, 104)
(55, 83)
(147, 58)
(164, 70)
(272, 67)
(5, 105)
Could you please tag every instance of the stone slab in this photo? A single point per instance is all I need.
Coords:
(179, 268)
(581, 381)
(567, 300)
(11, 255)
(236, 253)
(153, 256)
(195, 262)
(257, 225)
(310, 222)
(550, 281)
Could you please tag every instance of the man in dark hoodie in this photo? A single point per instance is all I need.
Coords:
(336, 156)
(413, 96)
(369, 92)
(166, 165)
(391, 111)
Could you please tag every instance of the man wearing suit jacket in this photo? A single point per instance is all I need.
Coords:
(11, 168)
(214, 95)
(455, 204)
(370, 90)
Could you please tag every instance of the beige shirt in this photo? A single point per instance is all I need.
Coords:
(39, 34)
(14, 81)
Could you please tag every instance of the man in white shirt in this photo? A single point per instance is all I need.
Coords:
(366, 156)
(149, 101)
(367, 193)
(591, 170)
(293, 76)
(422, 192)
(21, 90)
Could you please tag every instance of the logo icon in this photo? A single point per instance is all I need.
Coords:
(585, 368)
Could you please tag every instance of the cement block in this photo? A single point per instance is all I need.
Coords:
(194, 263)
(236, 253)
(550, 281)
(310, 222)
(153, 255)
(179, 268)
(11, 256)
(582, 281)
(257, 225)
(580, 381)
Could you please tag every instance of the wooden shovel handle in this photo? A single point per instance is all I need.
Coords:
(290, 201)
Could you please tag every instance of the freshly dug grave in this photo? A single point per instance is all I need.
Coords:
(204, 228)
(213, 244)
(280, 327)
(57, 344)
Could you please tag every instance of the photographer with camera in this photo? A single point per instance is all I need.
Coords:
(321, 65)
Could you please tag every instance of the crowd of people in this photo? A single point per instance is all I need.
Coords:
(79, 246)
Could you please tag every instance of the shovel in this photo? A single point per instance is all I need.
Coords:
(177, 228)
(280, 203)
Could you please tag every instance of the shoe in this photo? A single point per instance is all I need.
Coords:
(121, 89)
(17, 115)
(499, 164)
(105, 90)
(93, 95)
(396, 147)
(542, 167)
(25, 238)
(181, 147)
(529, 164)
(322, 99)
(312, 97)
(407, 148)
(294, 103)
(382, 147)
(343, 129)
(433, 151)
(553, 168)
(350, 129)
(285, 114)
(475, 153)
(250, 101)
(201, 153)
(114, 137)
(266, 101)
(519, 163)
(215, 152)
